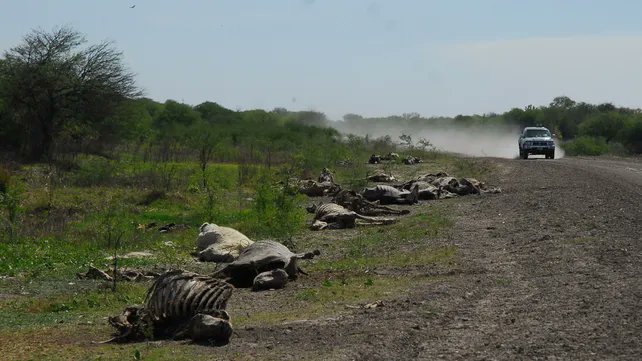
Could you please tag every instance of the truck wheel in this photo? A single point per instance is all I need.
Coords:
(524, 155)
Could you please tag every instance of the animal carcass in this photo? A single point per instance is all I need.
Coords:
(220, 244)
(312, 188)
(263, 256)
(334, 216)
(179, 304)
(382, 177)
(354, 201)
(374, 159)
(386, 194)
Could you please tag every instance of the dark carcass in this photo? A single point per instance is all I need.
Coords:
(374, 159)
(263, 256)
(180, 304)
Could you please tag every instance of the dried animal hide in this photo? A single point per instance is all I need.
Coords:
(171, 308)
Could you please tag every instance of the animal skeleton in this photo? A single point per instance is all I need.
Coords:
(334, 216)
(171, 306)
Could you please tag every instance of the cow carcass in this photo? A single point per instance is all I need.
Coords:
(220, 244)
(180, 304)
(263, 256)
(334, 216)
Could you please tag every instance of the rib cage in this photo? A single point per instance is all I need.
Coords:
(179, 295)
(329, 210)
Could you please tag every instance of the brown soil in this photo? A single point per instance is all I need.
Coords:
(549, 269)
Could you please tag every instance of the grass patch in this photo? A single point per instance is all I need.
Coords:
(88, 305)
(414, 257)
(406, 243)
(471, 168)
(44, 301)
(333, 296)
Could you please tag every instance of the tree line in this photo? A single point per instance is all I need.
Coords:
(576, 123)
(60, 97)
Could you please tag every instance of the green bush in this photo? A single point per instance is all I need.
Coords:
(11, 196)
(586, 146)
(5, 176)
(94, 171)
(276, 210)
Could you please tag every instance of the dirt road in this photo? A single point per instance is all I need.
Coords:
(549, 269)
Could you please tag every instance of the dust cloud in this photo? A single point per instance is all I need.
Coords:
(475, 140)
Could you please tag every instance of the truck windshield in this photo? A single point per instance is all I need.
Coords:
(537, 133)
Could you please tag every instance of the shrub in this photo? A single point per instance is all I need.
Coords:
(586, 146)
(5, 176)
(10, 206)
(94, 171)
(276, 210)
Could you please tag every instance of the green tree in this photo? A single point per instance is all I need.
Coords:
(52, 83)
(605, 125)
(563, 102)
(176, 114)
(216, 114)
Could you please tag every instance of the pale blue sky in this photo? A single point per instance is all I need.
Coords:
(368, 57)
